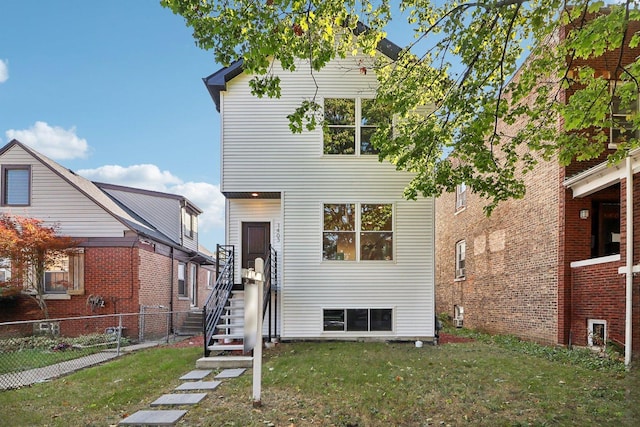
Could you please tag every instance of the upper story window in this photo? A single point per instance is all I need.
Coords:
(190, 224)
(461, 196)
(65, 275)
(621, 116)
(461, 249)
(354, 232)
(349, 124)
(16, 185)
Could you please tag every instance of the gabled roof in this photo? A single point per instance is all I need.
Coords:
(126, 213)
(217, 81)
(161, 210)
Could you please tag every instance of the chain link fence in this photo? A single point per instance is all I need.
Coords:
(38, 350)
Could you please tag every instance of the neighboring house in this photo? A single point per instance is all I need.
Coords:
(355, 259)
(551, 267)
(137, 248)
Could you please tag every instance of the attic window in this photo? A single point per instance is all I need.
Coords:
(16, 185)
(189, 224)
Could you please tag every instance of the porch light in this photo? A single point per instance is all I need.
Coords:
(254, 194)
(584, 213)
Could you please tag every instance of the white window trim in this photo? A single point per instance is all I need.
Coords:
(460, 273)
(461, 202)
(184, 279)
(357, 125)
(590, 323)
(357, 230)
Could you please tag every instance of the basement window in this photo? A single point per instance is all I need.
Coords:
(596, 333)
(357, 319)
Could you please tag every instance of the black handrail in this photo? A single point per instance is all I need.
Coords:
(217, 299)
(270, 285)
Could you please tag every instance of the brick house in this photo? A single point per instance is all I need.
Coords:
(551, 267)
(137, 248)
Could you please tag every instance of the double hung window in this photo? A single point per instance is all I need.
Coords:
(461, 196)
(65, 274)
(182, 284)
(461, 249)
(622, 112)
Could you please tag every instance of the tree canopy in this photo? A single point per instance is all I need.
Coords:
(31, 247)
(486, 128)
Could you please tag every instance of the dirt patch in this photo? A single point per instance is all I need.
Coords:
(449, 338)
(197, 341)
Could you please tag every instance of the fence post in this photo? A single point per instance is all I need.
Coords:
(119, 335)
(168, 323)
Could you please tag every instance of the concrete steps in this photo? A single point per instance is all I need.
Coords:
(192, 324)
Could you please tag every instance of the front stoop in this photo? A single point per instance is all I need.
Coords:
(214, 362)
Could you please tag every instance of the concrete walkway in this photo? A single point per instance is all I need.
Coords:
(193, 381)
(39, 375)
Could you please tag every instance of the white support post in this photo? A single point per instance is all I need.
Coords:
(257, 351)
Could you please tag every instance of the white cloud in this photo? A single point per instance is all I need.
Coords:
(52, 141)
(149, 177)
(208, 198)
(4, 70)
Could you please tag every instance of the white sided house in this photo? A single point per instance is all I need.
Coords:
(354, 259)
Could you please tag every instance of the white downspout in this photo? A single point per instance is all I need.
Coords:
(629, 262)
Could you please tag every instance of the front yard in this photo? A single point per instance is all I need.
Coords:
(486, 382)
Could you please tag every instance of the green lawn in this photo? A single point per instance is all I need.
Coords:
(19, 354)
(483, 383)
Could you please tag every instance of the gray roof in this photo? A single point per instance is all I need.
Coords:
(217, 81)
(131, 211)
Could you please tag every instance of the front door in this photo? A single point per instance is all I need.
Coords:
(255, 242)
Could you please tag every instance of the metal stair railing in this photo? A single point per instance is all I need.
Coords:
(271, 289)
(217, 299)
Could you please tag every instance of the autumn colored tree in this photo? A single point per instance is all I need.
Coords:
(462, 62)
(31, 248)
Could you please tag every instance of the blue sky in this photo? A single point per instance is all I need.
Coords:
(113, 90)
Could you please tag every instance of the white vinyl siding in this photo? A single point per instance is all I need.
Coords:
(55, 201)
(262, 155)
(405, 284)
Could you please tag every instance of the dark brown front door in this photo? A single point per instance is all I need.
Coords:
(255, 242)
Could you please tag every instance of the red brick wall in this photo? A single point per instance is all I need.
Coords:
(155, 278)
(597, 293)
(511, 260)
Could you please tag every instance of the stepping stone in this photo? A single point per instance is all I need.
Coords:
(156, 418)
(198, 385)
(230, 373)
(179, 399)
(197, 374)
